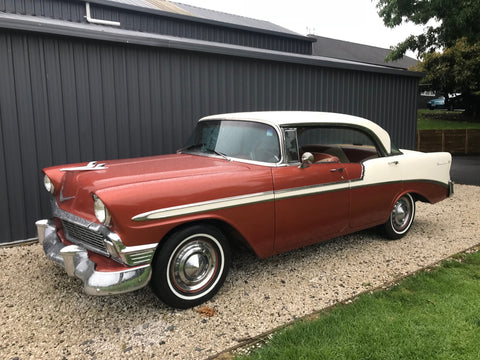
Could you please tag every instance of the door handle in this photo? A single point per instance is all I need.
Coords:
(393, 163)
(339, 170)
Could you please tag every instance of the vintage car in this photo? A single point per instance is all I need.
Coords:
(272, 181)
(438, 103)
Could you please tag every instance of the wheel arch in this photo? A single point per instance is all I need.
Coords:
(418, 197)
(233, 236)
(401, 217)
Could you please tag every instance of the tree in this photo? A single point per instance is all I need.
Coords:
(455, 31)
(455, 70)
(454, 19)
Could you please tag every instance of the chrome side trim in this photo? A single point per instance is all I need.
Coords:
(241, 200)
(311, 190)
(204, 206)
(75, 260)
(249, 199)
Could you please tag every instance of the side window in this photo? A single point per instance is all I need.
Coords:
(336, 144)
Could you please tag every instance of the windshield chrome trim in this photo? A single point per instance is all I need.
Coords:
(281, 144)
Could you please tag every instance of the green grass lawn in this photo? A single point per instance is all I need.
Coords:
(432, 315)
(444, 120)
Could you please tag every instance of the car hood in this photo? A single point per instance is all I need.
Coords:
(70, 178)
(75, 183)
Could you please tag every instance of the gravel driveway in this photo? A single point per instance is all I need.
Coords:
(45, 314)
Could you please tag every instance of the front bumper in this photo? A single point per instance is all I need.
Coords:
(75, 260)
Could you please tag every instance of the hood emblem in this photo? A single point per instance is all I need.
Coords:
(92, 165)
(62, 198)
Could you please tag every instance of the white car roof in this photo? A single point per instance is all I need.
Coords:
(284, 118)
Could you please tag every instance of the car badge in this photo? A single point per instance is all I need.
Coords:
(92, 165)
(62, 198)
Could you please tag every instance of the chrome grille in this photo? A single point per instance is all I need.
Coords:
(140, 258)
(81, 235)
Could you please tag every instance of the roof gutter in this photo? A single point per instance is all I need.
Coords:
(77, 30)
(98, 21)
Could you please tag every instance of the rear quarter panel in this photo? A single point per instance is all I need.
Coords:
(385, 179)
(427, 174)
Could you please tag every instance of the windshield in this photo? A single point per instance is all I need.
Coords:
(235, 139)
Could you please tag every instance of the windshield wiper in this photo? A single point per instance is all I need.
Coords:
(204, 149)
(191, 147)
(218, 153)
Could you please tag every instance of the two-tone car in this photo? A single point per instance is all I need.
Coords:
(270, 181)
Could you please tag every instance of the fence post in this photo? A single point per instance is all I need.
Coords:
(466, 141)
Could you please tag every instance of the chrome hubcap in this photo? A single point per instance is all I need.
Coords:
(401, 214)
(194, 265)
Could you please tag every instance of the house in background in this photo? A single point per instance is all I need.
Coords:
(367, 54)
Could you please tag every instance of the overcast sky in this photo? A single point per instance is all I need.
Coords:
(350, 20)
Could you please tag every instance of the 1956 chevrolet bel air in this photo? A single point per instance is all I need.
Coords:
(273, 181)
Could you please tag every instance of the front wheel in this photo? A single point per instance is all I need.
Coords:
(401, 218)
(191, 266)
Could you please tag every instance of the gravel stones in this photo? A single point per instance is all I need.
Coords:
(45, 314)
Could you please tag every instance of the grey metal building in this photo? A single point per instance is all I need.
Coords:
(72, 90)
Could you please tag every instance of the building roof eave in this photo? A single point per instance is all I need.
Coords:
(193, 18)
(106, 33)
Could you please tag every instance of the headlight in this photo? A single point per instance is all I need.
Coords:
(48, 184)
(101, 211)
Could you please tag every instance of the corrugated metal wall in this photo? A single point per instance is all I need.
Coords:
(153, 22)
(66, 100)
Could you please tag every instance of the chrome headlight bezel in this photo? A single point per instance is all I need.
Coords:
(101, 212)
(48, 184)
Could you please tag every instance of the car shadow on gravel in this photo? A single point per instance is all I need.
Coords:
(245, 263)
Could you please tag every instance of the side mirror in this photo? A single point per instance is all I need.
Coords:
(307, 160)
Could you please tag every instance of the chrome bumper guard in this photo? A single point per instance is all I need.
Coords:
(450, 188)
(75, 260)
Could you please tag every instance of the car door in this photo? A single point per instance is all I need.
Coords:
(312, 203)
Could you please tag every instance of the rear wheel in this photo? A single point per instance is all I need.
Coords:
(401, 217)
(191, 266)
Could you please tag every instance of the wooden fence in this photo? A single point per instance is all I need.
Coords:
(453, 141)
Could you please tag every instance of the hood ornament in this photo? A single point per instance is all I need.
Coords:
(92, 165)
